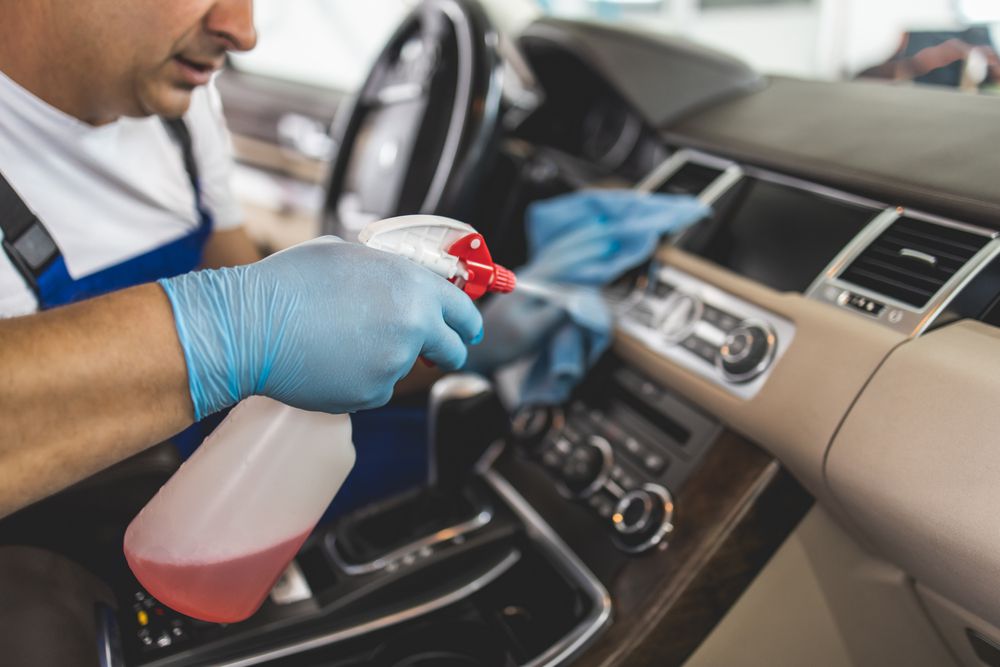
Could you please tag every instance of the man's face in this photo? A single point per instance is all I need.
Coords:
(145, 57)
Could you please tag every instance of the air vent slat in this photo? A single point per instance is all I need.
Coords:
(883, 268)
(891, 287)
(919, 280)
(964, 248)
(890, 242)
(944, 267)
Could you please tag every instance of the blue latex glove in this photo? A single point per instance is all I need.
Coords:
(594, 236)
(326, 326)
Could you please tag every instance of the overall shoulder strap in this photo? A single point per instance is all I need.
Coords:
(179, 129)
(27, 242)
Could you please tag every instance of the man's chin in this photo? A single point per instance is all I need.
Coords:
(166, 101)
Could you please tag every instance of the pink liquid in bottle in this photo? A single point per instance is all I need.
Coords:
(221, 591)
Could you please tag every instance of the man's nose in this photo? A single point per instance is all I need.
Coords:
(232, 21)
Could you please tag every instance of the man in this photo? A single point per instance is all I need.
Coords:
(125, 195)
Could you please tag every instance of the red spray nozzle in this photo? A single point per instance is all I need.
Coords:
(504, 281)
(483, 275)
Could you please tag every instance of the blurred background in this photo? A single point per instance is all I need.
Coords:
(313, 54)
(332, 42)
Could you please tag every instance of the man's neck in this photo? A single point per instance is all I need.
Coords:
(35, 55)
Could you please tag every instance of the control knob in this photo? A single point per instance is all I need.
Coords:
(642, 518)
(747, 351)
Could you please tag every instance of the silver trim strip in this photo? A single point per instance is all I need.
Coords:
(666, 169)
(428, 542)
(108, 647)
(721, 185)
(586, 632)
(387, 621)
(731, 173)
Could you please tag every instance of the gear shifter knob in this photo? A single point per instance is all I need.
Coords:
(465, 418)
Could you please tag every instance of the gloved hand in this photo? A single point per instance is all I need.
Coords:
(594, 236)
(326, 326)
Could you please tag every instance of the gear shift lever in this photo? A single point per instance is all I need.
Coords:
(465, 418)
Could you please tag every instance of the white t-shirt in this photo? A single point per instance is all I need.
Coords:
(107, 194)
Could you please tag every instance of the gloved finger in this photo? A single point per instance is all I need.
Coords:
(460, 313)
(445, 348)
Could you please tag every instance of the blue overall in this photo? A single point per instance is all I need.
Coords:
(394, 439)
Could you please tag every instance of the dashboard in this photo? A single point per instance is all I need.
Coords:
(839, 307)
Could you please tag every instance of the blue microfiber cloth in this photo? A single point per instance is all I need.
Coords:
(579, 243)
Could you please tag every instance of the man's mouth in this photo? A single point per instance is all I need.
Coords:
(196, 72)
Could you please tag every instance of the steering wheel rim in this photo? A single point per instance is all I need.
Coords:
(443, 27)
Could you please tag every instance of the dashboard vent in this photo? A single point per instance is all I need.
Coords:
(913, 259)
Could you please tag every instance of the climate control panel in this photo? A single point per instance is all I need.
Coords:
(708, 331)
(623, 446)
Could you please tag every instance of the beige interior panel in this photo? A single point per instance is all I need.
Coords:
(824, 601)
(797, 412)
(917, 463)
(952, 622)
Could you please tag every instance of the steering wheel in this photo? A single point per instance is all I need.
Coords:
(419, 135)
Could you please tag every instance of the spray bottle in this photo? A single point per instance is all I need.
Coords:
(216, 537)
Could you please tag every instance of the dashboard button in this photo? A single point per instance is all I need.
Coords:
(701, 348)
(662, 289)
(587, 467)
(624, 480)
(643, 314)
(719, 319)
(654, 463)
